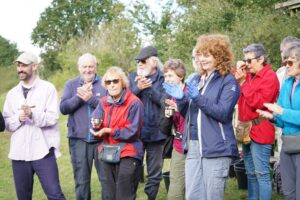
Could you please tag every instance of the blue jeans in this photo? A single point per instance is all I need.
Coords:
(257, 157)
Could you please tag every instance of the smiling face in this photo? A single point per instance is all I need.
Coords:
(206, 62)
(26, 72)
(254, 63)
(87, 70)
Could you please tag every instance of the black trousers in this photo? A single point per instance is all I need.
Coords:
(122, 179)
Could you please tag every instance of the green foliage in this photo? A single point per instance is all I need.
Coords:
(8, 78)
(245, 22)
(114, 43)
(8, 52)
(63, 20)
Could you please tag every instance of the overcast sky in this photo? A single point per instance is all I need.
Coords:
(19, 17)
(17, 20)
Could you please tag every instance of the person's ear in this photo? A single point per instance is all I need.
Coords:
(261, 60)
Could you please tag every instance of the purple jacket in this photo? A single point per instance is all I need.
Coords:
(78, 110)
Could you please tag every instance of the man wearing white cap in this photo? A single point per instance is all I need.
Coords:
(31, 114)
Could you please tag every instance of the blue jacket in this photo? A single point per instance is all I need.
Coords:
(289, 120)
(151, 98)
(216, 102)
(78, 110)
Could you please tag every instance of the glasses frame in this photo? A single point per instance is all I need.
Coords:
(249, 60)
(114, 81)
(142, 61)
(288, 63)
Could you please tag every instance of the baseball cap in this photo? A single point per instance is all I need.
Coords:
(146, 52)
(27, 58)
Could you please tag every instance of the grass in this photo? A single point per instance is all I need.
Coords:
(7, 191)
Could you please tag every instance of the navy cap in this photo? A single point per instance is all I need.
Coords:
(146, 52)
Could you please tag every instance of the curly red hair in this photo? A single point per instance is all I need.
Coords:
(219, 47)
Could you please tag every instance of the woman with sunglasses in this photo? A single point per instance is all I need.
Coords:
(118, 120)
(258, 86)
(285, 115)
(208, 107)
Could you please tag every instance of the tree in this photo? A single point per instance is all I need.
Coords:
(65, 19)
(245, 22)
(8, 52)
(114, 43)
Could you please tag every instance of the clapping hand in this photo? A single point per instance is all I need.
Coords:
(274, 108)
(192, 89)
(85, 92)
(265, 114)
(174, 90)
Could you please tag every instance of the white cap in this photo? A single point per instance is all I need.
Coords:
(27, 58)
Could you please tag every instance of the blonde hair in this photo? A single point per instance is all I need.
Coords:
(219, 47)
(116, 71)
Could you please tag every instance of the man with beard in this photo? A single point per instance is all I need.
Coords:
(31, 114)
(80, 97)
(146, 84)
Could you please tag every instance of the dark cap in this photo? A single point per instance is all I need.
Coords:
(146, 52)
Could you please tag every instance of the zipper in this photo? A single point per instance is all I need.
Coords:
(222, 131)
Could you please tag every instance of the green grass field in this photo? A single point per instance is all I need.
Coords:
(7, 191)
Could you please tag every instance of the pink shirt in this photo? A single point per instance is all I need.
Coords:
(32, 139)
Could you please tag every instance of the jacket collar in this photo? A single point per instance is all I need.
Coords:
(262, 72)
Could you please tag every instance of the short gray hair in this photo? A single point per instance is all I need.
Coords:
(258, 50)
(87, 56)
(287, 40)
(294, 50)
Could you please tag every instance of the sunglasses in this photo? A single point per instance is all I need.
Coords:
(288, 62)
(142, 61)
(249, 60)
(115, 81)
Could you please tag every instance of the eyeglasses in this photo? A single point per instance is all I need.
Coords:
(249, 60)
(142, 61)
(288, 62)
(115, 81)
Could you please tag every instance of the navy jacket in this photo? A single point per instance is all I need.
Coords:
(216, 106)
(151, 98)
(80, 111)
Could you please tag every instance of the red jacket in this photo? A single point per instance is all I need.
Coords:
(262, 88)
(125, 118)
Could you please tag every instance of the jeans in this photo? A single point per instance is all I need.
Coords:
(47, 172)
(83, 155)
(257, 157)
(154, 162)
(205, 178)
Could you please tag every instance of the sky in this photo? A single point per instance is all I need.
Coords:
(19, 17)
(17, 20)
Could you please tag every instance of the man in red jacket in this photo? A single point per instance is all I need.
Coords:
(258, 86)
